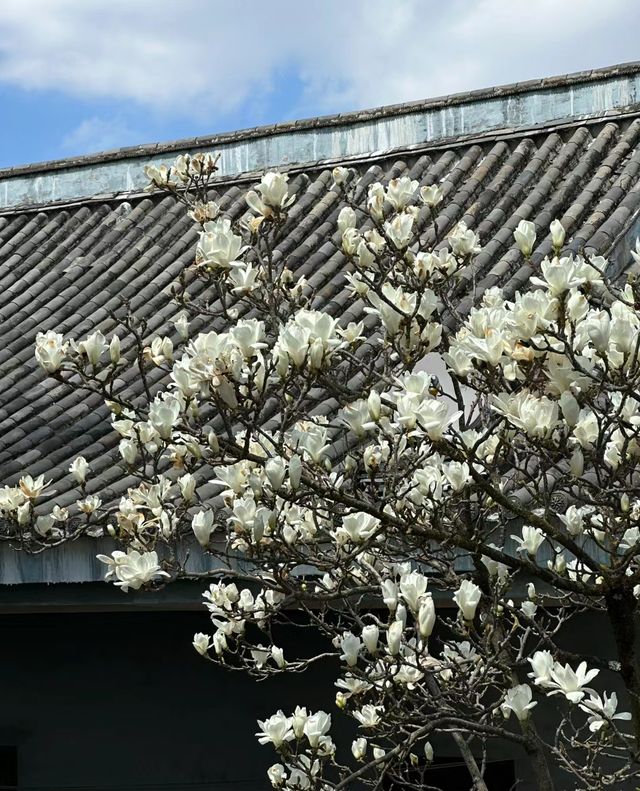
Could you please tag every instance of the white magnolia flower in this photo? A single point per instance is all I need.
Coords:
(573, 519)
(218, 247)
(464, 242)
(317, 726)
(93, 347)
(277, 775)
(340, 175)
(400, 230)
(559, 275)
(164, 414)
(368, 716)
(32, 488)
(356, 528)
(309, 338)
(274, 194)
(413, 586)
(467, 597)
(89, 504)
(571, 683)
(536, 416)
(275, 730)
(401, 192)
(531, 540)
(519, 701)
(390, 594)
(260, 655)
(202, 643)
(132, 569)
(50, 350)
(277, 654)
(602, 710)
(181, 323)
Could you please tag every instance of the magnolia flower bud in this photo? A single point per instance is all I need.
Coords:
(181, 323)
(428, 751)
(346, 219)
(350, 240)
(212, 441)
(431, 195)
(202, 526)
(23, 513)
(278, 656)
(359, 748)
(79, 469)
(375, 405)
(390, 594)
(128, 450)
(370, 635)
(394, 637)
(576, 463)
(557, 234)
(467, 597)
(298, 721)
(275, 471)
(295, 471)
(570, 408)
(114, 350)
(187, 484)
(426, 617)
(525, 236)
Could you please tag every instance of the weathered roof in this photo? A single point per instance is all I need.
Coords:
(66, 267)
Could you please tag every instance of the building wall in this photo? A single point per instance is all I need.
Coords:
(120, 700)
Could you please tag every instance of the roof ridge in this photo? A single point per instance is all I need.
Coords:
(415, 149)
(332, 120)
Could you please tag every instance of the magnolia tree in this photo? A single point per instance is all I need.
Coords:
(437, 533)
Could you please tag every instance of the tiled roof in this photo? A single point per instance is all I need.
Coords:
(67, 267)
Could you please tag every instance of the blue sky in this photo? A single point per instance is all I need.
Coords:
(78, 76)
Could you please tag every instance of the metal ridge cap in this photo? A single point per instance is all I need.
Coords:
(327, 121)
(247, 177)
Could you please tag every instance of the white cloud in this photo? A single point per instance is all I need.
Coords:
(207, 58)
(98, 134)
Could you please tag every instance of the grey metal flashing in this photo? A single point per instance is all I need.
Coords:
(585, 95)
(432, 147)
